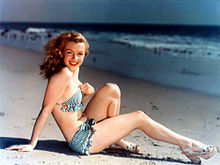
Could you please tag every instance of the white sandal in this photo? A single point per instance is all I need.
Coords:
(130, 147)
(206, 152)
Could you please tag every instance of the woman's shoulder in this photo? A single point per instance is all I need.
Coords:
(64, 73)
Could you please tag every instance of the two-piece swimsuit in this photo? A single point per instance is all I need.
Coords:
(81, 141)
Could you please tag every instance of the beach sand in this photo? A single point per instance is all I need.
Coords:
(22, 90)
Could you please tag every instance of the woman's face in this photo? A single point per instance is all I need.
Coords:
(74, 54)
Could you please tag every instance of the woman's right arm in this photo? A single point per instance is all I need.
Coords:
(55, 88)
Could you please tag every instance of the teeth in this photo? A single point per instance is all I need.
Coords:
(73, 63)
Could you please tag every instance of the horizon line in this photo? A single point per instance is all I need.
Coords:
(115, 24)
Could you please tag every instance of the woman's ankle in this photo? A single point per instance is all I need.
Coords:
(121, 143)
(185, 143)
(194, 145)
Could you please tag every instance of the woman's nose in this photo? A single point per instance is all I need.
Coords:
(74, 56)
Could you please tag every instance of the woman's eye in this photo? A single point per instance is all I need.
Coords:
(80, 54)
(69, 53)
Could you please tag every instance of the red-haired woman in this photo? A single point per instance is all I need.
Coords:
(100, 125)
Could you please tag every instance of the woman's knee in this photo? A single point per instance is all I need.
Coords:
(141, 116)
(113, 89)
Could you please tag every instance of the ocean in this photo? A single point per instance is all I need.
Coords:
(186, 57)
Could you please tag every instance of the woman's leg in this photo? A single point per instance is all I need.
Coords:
(111, 130)
(105, 104)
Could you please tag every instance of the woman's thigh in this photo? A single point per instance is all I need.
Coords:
(113, 129)
(105, 103)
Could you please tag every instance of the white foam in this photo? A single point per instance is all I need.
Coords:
(36, 30)
(175, 45)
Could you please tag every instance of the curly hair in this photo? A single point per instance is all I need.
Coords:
(54, 48)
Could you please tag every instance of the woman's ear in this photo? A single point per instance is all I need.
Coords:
(86, 53)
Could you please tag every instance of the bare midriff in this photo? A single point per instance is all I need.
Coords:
(68, 122)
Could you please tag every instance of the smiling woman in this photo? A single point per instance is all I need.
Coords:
(99, 125)
(57, 47)
(74, 55)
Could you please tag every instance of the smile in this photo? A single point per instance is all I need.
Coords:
(73, 63)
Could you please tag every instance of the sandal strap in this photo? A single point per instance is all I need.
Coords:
(132, 147)
(191, 154)
(188, 150)
(205, 149)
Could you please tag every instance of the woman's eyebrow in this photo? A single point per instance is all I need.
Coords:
(69, 49)
(80, 51)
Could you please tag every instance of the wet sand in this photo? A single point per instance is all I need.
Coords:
(22, 89)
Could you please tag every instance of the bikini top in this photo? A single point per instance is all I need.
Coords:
(74, 103)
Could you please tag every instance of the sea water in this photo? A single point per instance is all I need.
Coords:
(189, 60)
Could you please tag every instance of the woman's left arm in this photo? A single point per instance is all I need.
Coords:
(87, 90)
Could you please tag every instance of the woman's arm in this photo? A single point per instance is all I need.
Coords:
(55, 89)
(39, 124)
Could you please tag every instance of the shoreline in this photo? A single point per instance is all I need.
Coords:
(22, 89)
(186, 65)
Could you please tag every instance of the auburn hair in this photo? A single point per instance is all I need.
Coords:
(53, 50)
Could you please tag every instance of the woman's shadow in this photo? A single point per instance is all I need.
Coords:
(62, 147)
(45, 145)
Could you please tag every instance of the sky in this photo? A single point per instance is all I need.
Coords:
(175, 12)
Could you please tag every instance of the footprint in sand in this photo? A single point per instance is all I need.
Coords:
(154, 107)
(2, 114)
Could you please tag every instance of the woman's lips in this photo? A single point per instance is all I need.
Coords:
(73, 63)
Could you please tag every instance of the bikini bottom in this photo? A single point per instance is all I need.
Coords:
(82, 140)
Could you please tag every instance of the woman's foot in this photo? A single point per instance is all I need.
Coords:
(128, 146)
(132, 147)
(195, 149)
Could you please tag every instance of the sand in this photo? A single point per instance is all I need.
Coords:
(22, 89)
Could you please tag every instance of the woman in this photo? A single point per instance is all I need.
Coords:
(64, 98)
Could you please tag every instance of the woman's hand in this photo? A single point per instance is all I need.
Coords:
(22, 147)
(87, 89)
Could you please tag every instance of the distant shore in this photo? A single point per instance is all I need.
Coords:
(123, 27)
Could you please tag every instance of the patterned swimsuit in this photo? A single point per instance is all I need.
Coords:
(82, 140)
(74, 103)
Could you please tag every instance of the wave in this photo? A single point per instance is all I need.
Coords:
(174, 45)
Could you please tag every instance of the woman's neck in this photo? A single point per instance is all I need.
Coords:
(76, 73)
